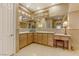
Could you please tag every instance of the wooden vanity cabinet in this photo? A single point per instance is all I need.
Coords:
(39, 39)
(22, 40)
(50, 39)
(29, 38)
(45, 39)
(35, 38)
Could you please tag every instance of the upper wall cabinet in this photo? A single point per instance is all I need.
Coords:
(51, 17)
(58, 10)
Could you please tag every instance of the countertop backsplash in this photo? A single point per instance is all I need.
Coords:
(57, 31)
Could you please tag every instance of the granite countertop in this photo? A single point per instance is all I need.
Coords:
(57, 34)
(25, 32)
(62, 34)
(44, 32)
(36, 32)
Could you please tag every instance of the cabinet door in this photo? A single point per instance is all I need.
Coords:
(50, 39)
(45, 39)
(23, 40)
(39, 38)
(35, 38)
(30, 38)
(25, 36)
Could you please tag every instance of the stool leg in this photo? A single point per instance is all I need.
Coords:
(56, 44)
(67, 44)
(63, 44)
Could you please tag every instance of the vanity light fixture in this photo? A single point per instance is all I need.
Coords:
(40, 25)
(20, 18)
(58, 27)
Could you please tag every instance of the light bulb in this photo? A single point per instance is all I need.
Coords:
(40, 25)
(65, 23)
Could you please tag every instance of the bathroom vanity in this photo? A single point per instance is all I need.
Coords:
(26, 38)
(45, 38)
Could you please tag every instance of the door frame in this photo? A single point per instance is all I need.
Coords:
(17, 28)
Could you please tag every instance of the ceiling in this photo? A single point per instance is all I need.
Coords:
(55, 9)
(37, 6)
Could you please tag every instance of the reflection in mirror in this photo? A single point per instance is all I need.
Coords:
(57, 22)
(48, 19)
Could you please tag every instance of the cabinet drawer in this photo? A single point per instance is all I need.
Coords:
(64, 38)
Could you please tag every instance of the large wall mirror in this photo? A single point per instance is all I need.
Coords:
(49, 18)
(25, 20)
(57, 21)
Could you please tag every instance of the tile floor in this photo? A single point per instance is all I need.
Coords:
(40, 50)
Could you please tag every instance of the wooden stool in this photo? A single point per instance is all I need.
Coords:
(64, 43)
(57, 42)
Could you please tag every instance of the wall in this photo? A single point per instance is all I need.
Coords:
(73, 18)
(58, 10)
